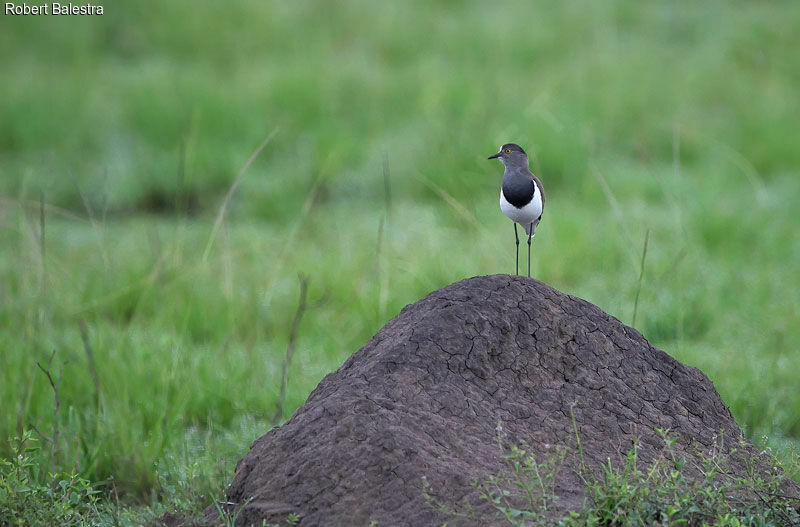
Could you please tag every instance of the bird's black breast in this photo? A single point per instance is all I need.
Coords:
(518, 191)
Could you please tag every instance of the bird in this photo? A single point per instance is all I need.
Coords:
(521, 194)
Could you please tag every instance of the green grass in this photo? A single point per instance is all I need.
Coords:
(672, 118)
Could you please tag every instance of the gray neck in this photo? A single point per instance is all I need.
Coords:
(517, 169)
(517, 163)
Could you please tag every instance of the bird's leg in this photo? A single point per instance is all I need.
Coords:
(529, 250)
(516, 236)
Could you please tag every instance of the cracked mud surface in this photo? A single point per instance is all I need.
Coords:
(424, 396)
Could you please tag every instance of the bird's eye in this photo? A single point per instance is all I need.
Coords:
(508, 150)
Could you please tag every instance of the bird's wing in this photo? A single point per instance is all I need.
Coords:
(540, 187)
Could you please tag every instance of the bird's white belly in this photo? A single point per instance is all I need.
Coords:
(527, 214)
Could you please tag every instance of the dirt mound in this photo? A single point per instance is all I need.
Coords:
(420, 404)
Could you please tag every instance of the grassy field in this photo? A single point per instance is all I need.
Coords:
(122, 134)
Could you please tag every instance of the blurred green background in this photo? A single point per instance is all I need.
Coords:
(675, 118)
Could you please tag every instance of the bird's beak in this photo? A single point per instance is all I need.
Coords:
(494, 156)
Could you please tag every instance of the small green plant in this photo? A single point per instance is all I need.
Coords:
(664, 494)
(534, 481)
(30, 496)
(228, 519)
(667, 492)
(177, 489)
(523, 495)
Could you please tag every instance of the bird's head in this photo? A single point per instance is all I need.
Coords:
(511, 154)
